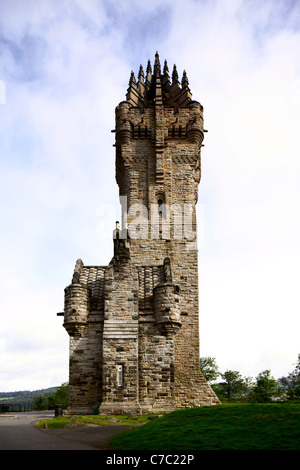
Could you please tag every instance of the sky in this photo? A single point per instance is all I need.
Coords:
(64, 67)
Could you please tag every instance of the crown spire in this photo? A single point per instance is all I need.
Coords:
(157, 86)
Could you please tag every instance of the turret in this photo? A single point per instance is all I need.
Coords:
(77, 304)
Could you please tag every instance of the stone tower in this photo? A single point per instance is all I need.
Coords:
(133, 325)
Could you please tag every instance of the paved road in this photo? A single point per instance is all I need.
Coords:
(18, 432)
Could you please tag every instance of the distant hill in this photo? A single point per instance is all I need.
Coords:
(23, 397)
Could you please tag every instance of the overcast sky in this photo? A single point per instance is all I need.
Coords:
(64, 67)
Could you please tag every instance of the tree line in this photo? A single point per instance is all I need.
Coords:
(22, 400)
(264, 388)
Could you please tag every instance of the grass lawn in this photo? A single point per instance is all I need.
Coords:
(75, 421)
(221, 427)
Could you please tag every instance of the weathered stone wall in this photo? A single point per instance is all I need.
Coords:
(85, 380)
(120, 338)
(156, 369)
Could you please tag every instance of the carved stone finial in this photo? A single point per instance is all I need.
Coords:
(149, 69)
(166, 69)
(141, 74)
(184, 81)
(166, 73)
(132, 79)
(76, 275)
(157, 65)
(175, 75)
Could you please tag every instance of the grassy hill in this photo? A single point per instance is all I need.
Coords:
(222, 427)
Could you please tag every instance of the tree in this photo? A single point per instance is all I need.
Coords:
(48, 400)
(209, 368)
(290, 385)
(264, 389)
(234, 387)
(40, 402)
(60, 396)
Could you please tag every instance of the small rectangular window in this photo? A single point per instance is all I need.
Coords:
(120, 375)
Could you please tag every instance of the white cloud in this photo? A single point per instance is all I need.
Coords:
(33, 350)
(65, 68)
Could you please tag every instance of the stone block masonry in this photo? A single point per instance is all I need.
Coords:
(134, 324)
